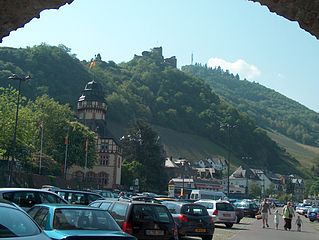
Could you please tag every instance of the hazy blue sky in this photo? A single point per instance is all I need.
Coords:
(236, 34)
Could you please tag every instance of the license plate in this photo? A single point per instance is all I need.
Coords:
(200, 230)
(226, 214)
(154, 232)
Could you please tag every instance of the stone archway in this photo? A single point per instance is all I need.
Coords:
(15, 14)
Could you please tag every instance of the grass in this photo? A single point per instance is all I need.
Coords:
(306, 155)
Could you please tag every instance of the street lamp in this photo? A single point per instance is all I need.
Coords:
(229, 127)
(14, 140)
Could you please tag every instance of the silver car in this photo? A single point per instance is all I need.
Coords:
(222, 211)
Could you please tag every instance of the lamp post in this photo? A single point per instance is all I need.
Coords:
(14, 140)
(229, 127)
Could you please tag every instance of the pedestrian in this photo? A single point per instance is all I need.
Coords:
(288, 213)
(264, 210)
(298, 223)
(276, 218)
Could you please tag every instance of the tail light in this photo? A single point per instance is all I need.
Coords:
(183, 218)
(215, 212)
(127, 227)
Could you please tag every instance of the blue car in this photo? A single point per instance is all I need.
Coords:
(313, 214)
(76, 222)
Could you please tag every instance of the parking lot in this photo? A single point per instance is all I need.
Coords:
(223, 233)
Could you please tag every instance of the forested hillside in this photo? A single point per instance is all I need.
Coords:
(269, 108)
(147, 88)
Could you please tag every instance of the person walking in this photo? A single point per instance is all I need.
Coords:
(276, 218)
(264, 210)
(288, 213)
(298, 223)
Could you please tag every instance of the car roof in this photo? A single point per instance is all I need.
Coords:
(75, 191)
(212, 201)
(23, 189)
(66, 206)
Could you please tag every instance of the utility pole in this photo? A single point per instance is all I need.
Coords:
(41, 148)
(66, 142)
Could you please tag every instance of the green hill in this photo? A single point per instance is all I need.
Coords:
(270, 109)
(194, 120)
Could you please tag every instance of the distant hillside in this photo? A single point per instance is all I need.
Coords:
(149, 87)
(270, 109)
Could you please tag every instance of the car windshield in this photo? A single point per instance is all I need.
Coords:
(83, 219)
(207, 205)
(16, 224)
(151, 213)
(224, 207)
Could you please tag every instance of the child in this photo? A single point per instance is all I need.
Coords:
(276, 218)
(298, 222)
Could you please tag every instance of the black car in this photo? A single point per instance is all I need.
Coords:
(103, 203)
(144, 220)
(249, 208)
(191, 219)
(16, 224)
(27, 197)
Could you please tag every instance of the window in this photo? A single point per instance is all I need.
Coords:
(194, 210)
(104, 160)
(118, 211)
(105, 205)
(24, 199)
(41, 217)
(224, 207)
(16, 224)
(49, 198)
(90, 176)
(103, 178)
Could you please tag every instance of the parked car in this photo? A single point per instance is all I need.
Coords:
(144, 220)
(302, 208)
(76, 222)
(103, 203)
(16, 224)
(222, 211)
(78, 197)
(313, 214)
(27, 197)
(105, 193)
(249, 208)
(191, 219)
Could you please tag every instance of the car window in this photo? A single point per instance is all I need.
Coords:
(150, 213)
(76, 198)
(95, 204)
(49, 198)
(41, 217)
(195, 210)
(105, 205)
(224, 207)
(33, 211)
(16, 224)
(208, 205)
(83, 219)
(92, 197)
(118, 211)
(25, 199)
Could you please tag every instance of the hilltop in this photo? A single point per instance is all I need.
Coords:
(193, 120)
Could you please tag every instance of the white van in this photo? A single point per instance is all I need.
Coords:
(207, 194)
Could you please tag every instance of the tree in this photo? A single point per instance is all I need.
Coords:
(141, 147)
(255, 190)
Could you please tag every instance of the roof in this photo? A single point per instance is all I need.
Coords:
(244, 173)
(67, 206)
(169, 163)
(93, 91)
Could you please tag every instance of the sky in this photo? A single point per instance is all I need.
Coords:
(238, 35)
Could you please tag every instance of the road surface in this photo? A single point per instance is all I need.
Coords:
(309, 231)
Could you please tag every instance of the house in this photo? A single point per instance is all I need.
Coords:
(91, 111)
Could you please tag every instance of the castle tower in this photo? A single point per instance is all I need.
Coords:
(91, 111)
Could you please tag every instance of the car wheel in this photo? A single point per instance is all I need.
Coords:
(228, 225)
(238, 220)
(312, 220)
(209, 237)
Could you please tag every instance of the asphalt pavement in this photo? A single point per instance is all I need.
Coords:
(256, 232)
